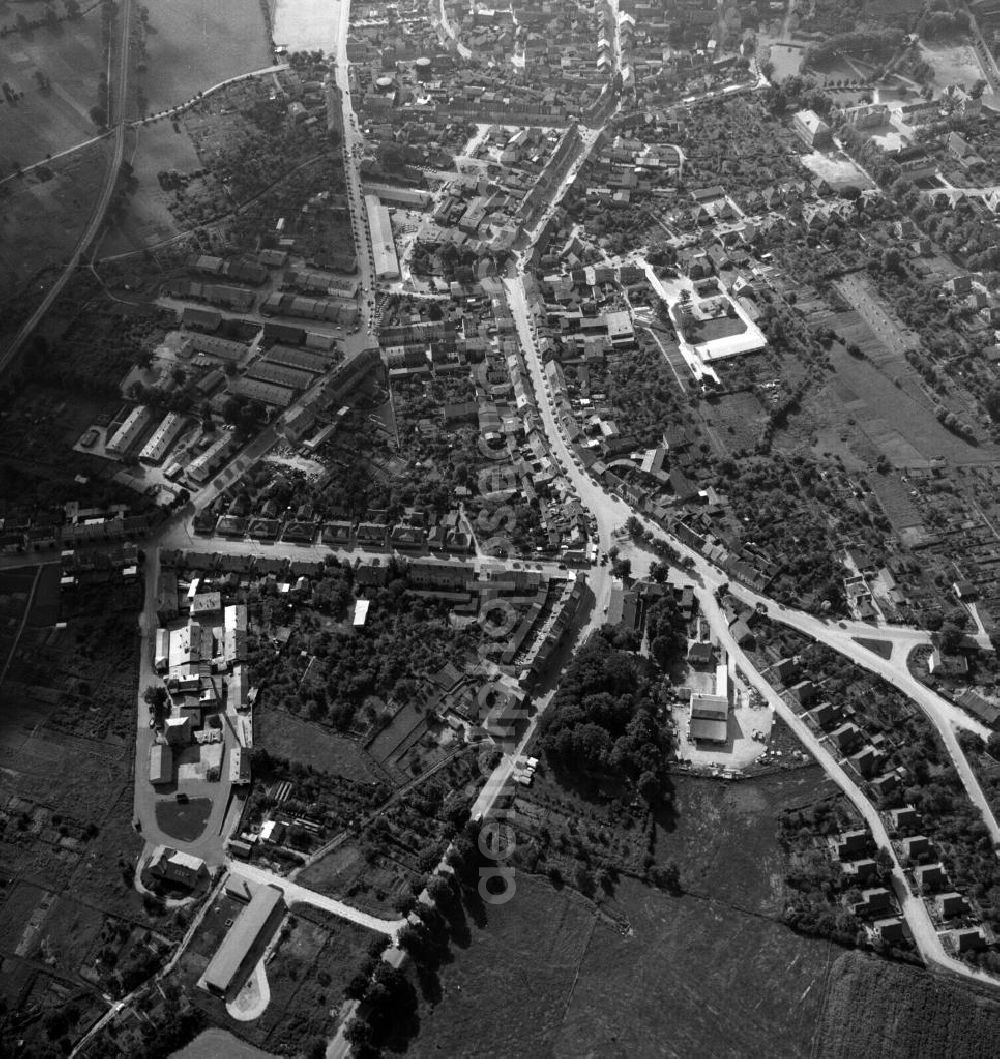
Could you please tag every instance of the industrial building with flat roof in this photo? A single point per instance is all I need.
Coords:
(245, 941)
(130, 431)
(709, 716)
(383, 244)
(163, 437)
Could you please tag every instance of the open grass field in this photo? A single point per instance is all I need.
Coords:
(311, 744)
(47, 122)
(894, 496)
(194, 44)
(953, 63)
(220, 1044)
(67, 936)
(693, 977)
(184, 821)
(862, 409)
(838, 171)
(41, 220)
(712, 972)
(346, 875)
(148, 221)
(714, 328)
(891, 1011)
(737, 419)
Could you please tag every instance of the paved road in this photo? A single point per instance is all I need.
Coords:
(104, 200)
(924, 933)
(463, 49)
(210, 844)
(294, 892)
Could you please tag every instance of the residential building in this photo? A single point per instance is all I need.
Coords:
(156, 449)
(126, 436)
(812, 130)
(180, 869)
(931, 877)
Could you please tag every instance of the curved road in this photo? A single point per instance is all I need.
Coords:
(925, 935)
(945, 717)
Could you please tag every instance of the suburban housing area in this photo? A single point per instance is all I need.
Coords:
(489, 488)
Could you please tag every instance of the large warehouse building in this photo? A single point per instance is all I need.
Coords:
(383, 245)
(245, 942)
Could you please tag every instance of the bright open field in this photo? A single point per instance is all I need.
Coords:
(48, 122)
(953, 64)
(194, 44)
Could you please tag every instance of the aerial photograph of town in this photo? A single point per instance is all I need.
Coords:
(500, 529)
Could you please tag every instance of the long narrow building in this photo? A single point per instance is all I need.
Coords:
(383, 244)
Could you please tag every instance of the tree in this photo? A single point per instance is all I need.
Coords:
(357, 1033)
(155, 696)
(951, 637)
(659, 572)
(621, 567)
(649, 787)
(99, 116)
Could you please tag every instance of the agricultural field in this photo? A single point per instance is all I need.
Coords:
(43, 214)
(66, 750)
(148, 220)
(45, 121)
(736, 420)
(892, 1011)
(861, 406)
(192, 45)
(709, 970)
(373, 886)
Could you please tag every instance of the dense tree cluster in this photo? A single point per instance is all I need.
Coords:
(604, 720)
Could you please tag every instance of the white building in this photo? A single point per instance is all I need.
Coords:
(163, 437)
(130, 431)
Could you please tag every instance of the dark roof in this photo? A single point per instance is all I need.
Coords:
(702, 730)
